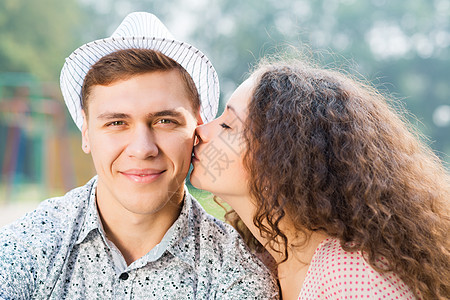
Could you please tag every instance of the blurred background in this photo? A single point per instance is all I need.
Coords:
(402, 47)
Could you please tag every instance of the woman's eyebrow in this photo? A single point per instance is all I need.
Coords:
(229, 107)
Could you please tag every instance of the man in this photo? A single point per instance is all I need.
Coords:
(133, 231)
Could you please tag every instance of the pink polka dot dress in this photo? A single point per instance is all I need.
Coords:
(338, 274)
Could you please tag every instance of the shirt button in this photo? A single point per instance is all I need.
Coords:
(124, 276)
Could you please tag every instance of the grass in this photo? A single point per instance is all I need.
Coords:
(21, 193)
(207, 202)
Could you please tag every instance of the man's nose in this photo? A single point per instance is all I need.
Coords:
(142, 144)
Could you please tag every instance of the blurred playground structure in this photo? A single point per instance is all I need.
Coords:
(40, 154)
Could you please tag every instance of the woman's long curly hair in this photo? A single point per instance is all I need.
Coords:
(328, 152)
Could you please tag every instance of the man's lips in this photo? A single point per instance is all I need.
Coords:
(142, 175)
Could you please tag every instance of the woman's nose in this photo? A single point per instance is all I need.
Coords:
(200, 134)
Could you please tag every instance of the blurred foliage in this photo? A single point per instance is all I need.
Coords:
(36, 36)
(402, 47)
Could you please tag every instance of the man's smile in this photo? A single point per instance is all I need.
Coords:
(142, 175)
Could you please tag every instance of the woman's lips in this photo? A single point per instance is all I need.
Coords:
(194, 157)
(143, 175)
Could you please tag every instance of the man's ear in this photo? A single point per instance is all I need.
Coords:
(86, 146)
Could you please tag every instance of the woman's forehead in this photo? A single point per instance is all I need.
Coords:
(241, 97)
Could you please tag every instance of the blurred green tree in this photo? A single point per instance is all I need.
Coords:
(36, 36)
(403, 48)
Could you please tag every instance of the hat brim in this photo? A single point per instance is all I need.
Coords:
(190, 58)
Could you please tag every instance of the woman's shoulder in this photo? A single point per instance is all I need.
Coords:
(335, 274)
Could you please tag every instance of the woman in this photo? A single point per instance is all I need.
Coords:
(333, 183)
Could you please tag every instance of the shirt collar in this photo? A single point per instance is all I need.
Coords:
(179, 239)
(182, 243)
(91, 220)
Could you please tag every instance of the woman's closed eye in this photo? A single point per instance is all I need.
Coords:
(225, 126)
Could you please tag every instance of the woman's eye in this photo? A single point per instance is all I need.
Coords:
(225, 126)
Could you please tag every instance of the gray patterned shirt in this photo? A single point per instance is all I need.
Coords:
(59, 251)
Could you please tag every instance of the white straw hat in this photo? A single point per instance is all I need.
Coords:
(144, 31)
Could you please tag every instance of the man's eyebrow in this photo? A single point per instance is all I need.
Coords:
(167, 112)
(162, 113)
(113, 115)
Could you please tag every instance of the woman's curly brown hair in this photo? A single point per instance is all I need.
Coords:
(329, 153)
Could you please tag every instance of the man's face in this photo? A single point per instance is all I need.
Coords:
(140, 133)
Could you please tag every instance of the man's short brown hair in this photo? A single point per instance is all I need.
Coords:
(124, 64)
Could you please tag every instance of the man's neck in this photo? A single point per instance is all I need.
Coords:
(136, 234)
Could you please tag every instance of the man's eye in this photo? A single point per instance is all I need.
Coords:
(225, 126)
(116, 123)
(167, 121)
